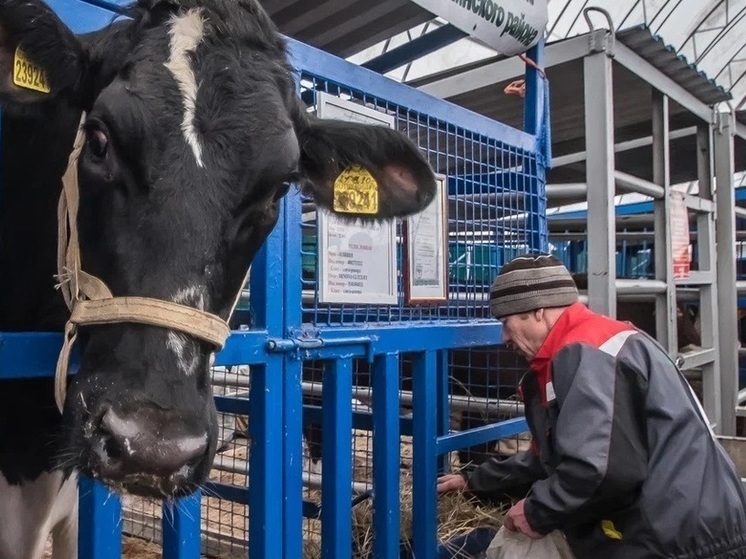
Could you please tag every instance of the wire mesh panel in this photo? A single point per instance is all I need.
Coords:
(494, 202)
(492, 198)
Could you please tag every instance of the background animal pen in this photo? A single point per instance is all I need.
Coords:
(272, 364)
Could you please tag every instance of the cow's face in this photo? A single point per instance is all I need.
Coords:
(193, 133)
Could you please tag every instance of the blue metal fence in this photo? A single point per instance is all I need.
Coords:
(496, 209)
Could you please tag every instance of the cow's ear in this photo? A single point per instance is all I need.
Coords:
(40, 58)
(372, 172)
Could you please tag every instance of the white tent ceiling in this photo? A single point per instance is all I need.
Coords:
(711, 34)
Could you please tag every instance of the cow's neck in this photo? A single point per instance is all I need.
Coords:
(34, 156)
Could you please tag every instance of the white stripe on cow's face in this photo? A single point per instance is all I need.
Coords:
(187, 356)
(187, 32)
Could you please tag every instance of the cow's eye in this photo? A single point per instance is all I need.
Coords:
(98, 143)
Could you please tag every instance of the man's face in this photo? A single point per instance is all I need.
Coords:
(525, 332)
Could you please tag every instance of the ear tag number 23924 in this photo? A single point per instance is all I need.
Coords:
(28, 75)
(356, 191)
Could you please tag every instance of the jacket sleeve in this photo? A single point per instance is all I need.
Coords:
(512, 476)
(599, 439)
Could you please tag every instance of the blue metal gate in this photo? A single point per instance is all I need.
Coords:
(496, 202)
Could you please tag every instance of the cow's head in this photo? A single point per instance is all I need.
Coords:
(193, 134)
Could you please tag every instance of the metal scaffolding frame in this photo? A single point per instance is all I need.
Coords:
(714, 284)
(715, 279)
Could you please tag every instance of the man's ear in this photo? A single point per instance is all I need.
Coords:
(40, 58)
(344, 160)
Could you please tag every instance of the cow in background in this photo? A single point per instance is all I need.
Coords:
(193, 133)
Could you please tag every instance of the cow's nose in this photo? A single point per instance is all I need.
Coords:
(148, 441)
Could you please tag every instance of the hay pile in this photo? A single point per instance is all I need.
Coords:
(132, 548)
(458, 515)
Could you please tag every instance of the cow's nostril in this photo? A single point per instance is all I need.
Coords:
(112, 449)
(148, 441)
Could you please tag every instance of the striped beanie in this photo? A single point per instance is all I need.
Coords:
(530, 282)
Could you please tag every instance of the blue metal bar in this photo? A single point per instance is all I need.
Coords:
(99, 528)
(336, 455)
(414, 49)
(533, 117)
(424, 460)
(227, 492)
(444, 408)
(410, 338)
(293, 370)
(27, 355)
(34, 354)
(479, 435)
(266, 402)
(319, 63)
(292, 466)
(386, 455)
(636, 208)
(536, 122)
(180, 523)
(362, 420)
(232, 404)
(82, 17)
(241, 495)
(244, 347)
(265, 484)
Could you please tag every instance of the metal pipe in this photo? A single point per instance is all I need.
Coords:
(567, 191)
(628, 236)
(640, 287)
(310, 480)
(741, 287)
(628, 222)
(629, 183)
(457, 401)
(365, 394)
(571, 158)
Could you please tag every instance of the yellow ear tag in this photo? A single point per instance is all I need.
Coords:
(28, 75)
(356, 192)
(610, 530)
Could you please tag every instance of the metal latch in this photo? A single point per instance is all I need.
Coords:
(309, 340)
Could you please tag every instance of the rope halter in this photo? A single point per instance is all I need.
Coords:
(91, 302)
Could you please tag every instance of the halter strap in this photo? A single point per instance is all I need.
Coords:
(91, 301)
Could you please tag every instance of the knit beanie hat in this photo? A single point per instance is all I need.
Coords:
(530, 282)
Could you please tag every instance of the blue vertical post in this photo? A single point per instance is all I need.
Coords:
(266, 401)
(100, 527)
(386, 456)
(425, 506)
(180, 523)
(293, 392)
(536, 122)
(292, 467)
(444, 408)
(336, 455)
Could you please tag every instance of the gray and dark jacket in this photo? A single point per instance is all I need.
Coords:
(623, 459)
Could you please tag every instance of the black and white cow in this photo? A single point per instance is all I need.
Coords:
(193, 135)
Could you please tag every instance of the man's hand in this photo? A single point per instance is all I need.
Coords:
(451, 482)
(515, 521)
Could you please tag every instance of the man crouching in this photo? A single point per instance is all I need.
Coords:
(623, 459)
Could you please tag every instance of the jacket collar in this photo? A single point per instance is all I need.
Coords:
(573, 315)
